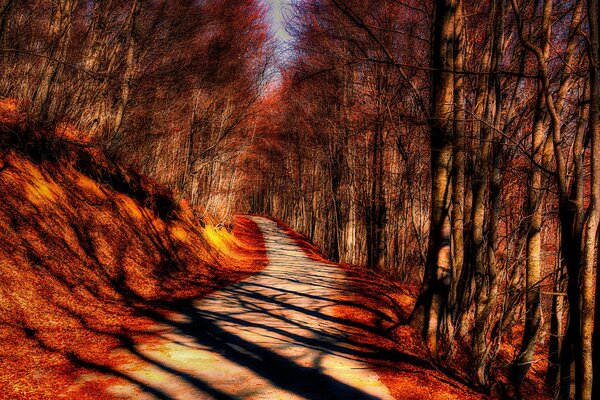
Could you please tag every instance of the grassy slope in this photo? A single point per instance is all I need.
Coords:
(85, 252)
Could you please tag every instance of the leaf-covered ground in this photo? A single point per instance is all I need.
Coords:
(405, 365)
(88, 252)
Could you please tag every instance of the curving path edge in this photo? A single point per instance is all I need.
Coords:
(271, 336)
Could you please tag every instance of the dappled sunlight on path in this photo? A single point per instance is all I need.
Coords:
(272, 336)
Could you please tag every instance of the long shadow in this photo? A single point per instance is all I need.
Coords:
(129, 344)
(380, 314)
(307, 382)
(239, 290)
(331, 337)
(326, 342)
(326, 284)
(197, 383)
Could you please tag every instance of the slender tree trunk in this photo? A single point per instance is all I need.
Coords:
(5, 8)
(487, 179)
(458, 170)
(464, 281)
(128, 74)
(478, 262)
(556, 331)
(376, 214)
(335, 175)
(59, 33)
(487, 295)
(377, 208)
(522, 363)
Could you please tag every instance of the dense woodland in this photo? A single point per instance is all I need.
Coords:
(164, 86)
(445, 143)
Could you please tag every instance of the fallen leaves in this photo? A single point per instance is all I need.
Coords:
(83, 267)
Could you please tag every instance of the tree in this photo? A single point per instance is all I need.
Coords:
(430, 314)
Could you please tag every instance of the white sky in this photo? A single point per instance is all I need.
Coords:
(275, 9)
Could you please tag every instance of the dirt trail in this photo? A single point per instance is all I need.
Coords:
(272, 336)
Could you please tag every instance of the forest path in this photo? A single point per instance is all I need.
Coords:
(271, 336)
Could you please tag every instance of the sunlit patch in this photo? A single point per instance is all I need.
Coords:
(122, 391)
(132, 208)
(179, 318)
(219, 238)
(38, 188)
(40, 192)
(179, 233)
(70, 132)
(10, 112)
(89, 184)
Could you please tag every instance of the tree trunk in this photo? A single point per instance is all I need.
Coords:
(458, 170)
(5, 8)
(556, 330)
(590, 365)
(482, 258)
(59, 33)
(335, 175)
(128, 74)
(522, 363)
(429, 314)
(376, 214)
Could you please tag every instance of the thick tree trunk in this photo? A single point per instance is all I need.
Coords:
(590, 333)
(571, 218)
(429, 314)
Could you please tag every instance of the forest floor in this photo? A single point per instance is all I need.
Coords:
(397, 353)
(274, 335)
(300, 328)
(90, 252)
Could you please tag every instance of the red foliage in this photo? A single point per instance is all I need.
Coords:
(87, 255)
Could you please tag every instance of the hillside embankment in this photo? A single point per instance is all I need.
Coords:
(90, 250)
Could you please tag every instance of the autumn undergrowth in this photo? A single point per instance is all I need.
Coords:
(89, 251)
